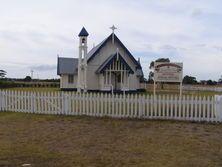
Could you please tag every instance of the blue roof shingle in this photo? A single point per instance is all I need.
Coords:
(83, 33)
(67, 65)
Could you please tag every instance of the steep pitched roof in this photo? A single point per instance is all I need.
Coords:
(83, 33)
(139, 72)
(96, 49)
(110, 60)
(67, 65)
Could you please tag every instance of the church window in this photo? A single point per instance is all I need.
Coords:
(118, 78)
(83, 41)
(70, 78)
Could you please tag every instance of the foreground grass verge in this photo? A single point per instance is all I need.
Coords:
(43, 140)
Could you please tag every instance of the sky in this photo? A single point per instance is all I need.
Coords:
(33, 33)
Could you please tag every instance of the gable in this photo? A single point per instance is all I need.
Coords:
(110, 60)
(94, 52)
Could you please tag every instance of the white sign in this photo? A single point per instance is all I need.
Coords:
(168, 72)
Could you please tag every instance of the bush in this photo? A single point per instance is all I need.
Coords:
(7, 84)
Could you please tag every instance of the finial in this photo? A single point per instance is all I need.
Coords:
(117, 52)
(113, 28)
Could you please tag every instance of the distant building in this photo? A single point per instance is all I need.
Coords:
(106, 67)
(203, 82)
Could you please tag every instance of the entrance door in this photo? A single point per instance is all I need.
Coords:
(117, 81)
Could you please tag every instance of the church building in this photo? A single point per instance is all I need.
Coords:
(109, 66)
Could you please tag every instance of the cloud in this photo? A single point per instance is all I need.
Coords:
(219, 48)
(150, 29)
(149, 47)
(201, 45)
(167, 47)
(168, 51)
(197, 12)
(45, 67)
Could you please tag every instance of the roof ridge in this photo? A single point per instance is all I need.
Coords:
(93, 51)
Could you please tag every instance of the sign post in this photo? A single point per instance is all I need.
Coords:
(154, 88)
(168, 72)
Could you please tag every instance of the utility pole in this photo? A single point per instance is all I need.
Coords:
(32, 74)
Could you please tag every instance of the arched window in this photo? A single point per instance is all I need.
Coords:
(83, 41)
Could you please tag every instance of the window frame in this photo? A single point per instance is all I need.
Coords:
(70, 79)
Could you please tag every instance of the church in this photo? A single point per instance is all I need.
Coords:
(108, 67)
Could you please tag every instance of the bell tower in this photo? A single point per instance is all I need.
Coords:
(82, 63)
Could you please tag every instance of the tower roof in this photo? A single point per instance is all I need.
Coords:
(83, 33)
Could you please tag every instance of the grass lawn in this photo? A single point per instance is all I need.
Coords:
(150, 92)
(194, 93)
(33, 89)
(43, 140)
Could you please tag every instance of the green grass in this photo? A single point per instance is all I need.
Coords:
(34, 89)
(150, 92)
(43, 140)
(194, 93)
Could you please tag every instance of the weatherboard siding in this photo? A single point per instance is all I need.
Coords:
(94, 81)
(107, 51)
(92, 78)
(64, 82)
(134, 83)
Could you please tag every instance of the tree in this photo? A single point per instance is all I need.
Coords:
(150, 77)
(159, 60)
(27, 79)
(189, 80)
(220, 80)
(151, 74)
(210, 82)
(2, 73)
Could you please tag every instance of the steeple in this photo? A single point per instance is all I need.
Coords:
(82, 63)
(83, 33)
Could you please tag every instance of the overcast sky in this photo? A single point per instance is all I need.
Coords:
(32, 32)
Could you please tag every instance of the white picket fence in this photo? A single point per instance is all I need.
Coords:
(192, 108)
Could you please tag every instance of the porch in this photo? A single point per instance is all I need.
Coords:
(115, 74)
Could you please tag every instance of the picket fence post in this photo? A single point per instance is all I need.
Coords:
(218, 108)
(34, 102)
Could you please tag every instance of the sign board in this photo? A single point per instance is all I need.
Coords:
(168, 72)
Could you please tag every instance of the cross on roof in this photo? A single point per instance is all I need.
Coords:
(113, 28)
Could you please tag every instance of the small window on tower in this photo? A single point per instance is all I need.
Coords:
(83, 41)
(70, 78)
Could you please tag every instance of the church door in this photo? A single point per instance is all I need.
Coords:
(117, 81)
